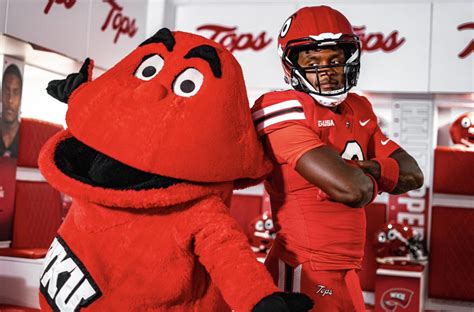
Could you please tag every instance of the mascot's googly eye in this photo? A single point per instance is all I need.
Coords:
(382, 238)
(286, 27)
(188, 82)
(392, 234)
(417, 236)
(268, 224)
(259, 226)
(465, 122)
(149, 67)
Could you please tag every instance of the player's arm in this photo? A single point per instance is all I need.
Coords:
(395, 170)
(410, 176)
(325, 168)
(297, 145)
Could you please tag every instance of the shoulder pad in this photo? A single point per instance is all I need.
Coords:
(274, 97)
(358, 98)
(275, 108)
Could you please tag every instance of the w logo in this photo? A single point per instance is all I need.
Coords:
(395, 297)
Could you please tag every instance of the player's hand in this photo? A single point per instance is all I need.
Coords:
(63, 88)
(369, 166)
(284, 302)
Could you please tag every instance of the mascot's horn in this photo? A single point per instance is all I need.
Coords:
(62, 89)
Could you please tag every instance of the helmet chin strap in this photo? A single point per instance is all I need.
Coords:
(324, 100)
(329, 101)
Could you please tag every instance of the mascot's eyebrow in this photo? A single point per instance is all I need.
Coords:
(209, 54)
(165, 36)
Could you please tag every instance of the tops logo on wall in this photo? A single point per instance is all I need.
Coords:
(67, 4)
(230, 38)
(410, 50)
(119, 22)
(104, 30)
(377, 41)
(389, 46)
(452, 47)
(470, 47)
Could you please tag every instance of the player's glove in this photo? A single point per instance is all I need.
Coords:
(284, 302)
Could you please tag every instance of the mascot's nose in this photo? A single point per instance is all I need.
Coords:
(160, 92)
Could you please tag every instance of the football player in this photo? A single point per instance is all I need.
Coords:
(10, 120)
(330, 160)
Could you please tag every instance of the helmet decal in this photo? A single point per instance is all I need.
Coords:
(286, 27)
(399, 244)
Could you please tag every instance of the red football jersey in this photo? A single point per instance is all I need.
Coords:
(311, 227)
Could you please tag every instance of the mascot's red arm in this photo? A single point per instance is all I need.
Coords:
(234, 268)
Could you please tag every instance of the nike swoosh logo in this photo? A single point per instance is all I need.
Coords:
(363, 123)
(384, 142)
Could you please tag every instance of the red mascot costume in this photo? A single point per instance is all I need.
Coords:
(152, 152)
(462, 130)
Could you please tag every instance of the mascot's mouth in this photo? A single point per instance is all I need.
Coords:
(89, 166)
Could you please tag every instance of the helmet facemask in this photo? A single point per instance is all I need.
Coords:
(349, 44)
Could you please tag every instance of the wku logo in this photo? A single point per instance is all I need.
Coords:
(229, 38)
(395, 297)
(470, 47)
(65, 282)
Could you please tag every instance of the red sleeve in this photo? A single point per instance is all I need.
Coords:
(288, 144)
(380, 146)
(225, 253)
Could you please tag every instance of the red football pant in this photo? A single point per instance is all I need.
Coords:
(331, 291)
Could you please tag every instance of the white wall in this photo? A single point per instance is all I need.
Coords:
(416, 66)
(160, 13)
(40, 67)
(36, 103)
(103, 30)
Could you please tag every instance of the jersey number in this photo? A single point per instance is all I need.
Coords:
(352, 151)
